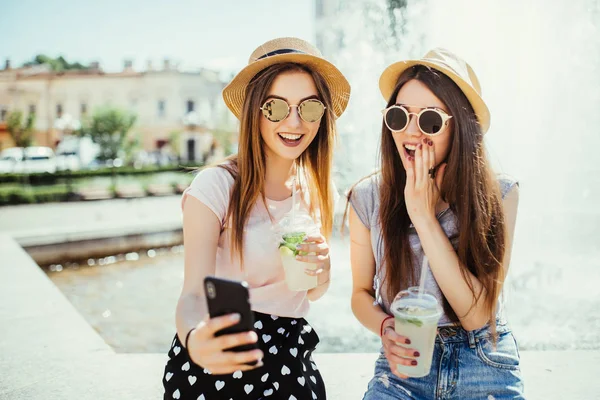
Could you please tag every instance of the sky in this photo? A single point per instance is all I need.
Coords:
(217, 34)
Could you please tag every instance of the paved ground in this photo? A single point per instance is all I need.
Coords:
(36, 224)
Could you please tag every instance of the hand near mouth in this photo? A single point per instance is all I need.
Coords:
(422, 190)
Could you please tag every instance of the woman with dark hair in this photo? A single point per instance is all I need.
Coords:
(436, 196)
(287, 100)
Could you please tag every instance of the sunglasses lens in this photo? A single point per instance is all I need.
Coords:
(430, 122)
(396, 119)
(275, 110)
(311, 110)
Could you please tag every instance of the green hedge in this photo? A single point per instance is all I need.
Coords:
(51, 179)
(30, 196)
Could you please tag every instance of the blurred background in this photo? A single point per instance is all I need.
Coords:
(104, 107)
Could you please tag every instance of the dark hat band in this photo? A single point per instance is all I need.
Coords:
(278, 52)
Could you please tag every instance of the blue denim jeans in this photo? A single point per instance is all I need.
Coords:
(465, 365)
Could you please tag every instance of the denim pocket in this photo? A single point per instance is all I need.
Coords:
(505, 355)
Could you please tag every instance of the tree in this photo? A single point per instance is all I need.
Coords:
(108, 128)
(21, 131)
(58, 64)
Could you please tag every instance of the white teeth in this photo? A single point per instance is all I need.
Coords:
(290, 136)
(410, 146)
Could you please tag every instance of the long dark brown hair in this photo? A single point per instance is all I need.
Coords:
(469, 187)
(248, 166)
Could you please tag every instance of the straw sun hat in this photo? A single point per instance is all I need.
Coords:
(284, 50)
(450, 65)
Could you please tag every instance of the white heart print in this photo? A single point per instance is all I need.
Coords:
(168, 376)
(294, 322)
(292, 397)
(285, 370)
(276, 384)
(176, 394)
(281, 330)
(314, 395)
(294, 351)
(219, 385)
(273, 350)
(300, 341)
(312, 378)
(258, 325)
(192, 379)
(268, 392)
(305, 353)
(176, 350)
(207, 371)
(274, 317)
(265, 377)
(186, 366)
(201, 397)
(266, 338)
(307, 328)
(303, 367)
(248, 388)
(237, 374)
(301, 380)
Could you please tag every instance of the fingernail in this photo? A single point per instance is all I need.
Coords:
(407, 341)
(431, 142)
(420, 146)
(235, 317)
(410, 158)
(417, 354)
(413, 362)
(425, 140)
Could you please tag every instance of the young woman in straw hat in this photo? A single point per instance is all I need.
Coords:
(436, 196)
(287, 100)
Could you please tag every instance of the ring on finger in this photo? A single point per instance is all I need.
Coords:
(432, 173)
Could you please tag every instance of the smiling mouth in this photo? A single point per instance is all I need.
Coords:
(290, 139)
(410, 149)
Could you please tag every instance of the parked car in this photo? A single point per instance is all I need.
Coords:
(39, 159)
(76, 153)
(11, 160)
(29, 160)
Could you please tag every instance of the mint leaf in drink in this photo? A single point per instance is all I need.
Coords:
(295, 237)
(291, 240)
(290, 246)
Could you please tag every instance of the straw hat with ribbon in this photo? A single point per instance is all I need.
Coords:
(450, 65)
(287, 50)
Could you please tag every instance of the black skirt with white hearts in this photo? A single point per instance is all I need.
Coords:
(289, 371)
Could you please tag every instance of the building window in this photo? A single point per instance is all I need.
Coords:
(59, 110)
(83, 109)
(162, 107)
(191, 106)
(32, 109)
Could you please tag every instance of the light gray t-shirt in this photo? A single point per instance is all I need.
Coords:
(365, 202)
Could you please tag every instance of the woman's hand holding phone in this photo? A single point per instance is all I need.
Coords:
(210, 351)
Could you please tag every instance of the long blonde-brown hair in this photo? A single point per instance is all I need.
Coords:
(248, 166)
(469, 187)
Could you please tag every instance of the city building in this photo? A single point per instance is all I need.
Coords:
(168, 103)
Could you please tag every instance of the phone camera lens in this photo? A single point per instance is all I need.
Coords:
(211, 290)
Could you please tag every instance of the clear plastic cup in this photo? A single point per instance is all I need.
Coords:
(416, 318)
(290, 234)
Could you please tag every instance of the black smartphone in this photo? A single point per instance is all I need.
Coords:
(224, 296)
